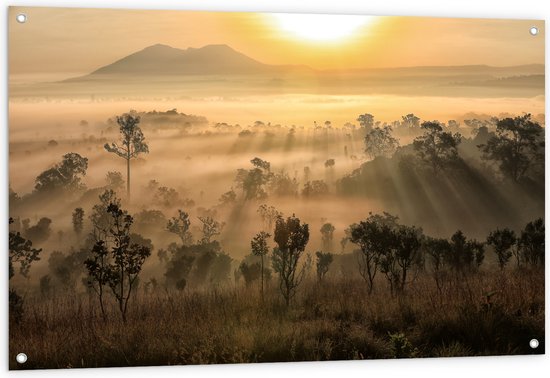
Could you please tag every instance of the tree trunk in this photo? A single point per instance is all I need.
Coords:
(128, 178)
(262, 290)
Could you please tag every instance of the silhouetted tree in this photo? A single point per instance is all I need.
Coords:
(323, 263)
(132, 142)
(269, 215)
(41, 231)
(437, 251)
(78, 220)
(220, 269)
(503, 242)
(315, 188)
(117, 262)
(22, 253)
(210, 228)
(531, 243)
(170, 198)
(251, 272)
(373, 236)
(437, 148)
(329, 163)
(260, 249)
(114, 180)
(66, 175)
(100, 218)
(327, 234)
(380, 142)
(203, 264)
(401, 252)
(253, 181)
(179, 267)
(281, 185)
(228, 198)
(291, 238)
(180, 226)
(149, 220)
(465, 255)
(517, 146)
(66, 269)
(366, 121)
(410, 121)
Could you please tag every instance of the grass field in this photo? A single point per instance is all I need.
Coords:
(331, 320)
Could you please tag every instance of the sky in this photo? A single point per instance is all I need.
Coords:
(68, 41)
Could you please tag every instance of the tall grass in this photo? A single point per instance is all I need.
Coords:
(332, 320)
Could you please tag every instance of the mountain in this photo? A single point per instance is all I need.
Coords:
(162, 60)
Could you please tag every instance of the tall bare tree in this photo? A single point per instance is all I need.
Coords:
(132, 142)
(260, 248)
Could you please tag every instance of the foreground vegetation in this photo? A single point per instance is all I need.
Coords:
(484, 314)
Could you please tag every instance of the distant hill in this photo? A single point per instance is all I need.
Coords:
(162, 60)
(465, 70)
(220, 70)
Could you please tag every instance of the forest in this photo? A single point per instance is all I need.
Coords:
(162, 238)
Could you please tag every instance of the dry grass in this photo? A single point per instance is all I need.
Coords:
(333, 320)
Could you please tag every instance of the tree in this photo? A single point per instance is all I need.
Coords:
(22, 253)
(66, 269)
(114, 180)
(280, 184)
(327, 234)
(78, 220)
(410, 121)
(149, 221)
(503, 242)
(380, 142)
(386, 246)
(366, 121)
(180, 226)
(374, 237)
(66, 175)
(517, 145)
(437, 148)
(132, 142)
(291, 238)
(260, 248)
(100, 218)
(219, 272)
(329, 163)
(531, 243)
(464, 255)
(269, 215)
(117, 262)
(407, 253)
(41, 231)
(437, 250)
(179, 266)
(169, 198)
(251, 272)
(253, 181)
(228, 198)
(210, 228)
(315, 188)
(323, 263)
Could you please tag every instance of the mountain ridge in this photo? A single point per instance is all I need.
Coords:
(160, 60)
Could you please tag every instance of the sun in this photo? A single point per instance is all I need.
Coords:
(320, 27)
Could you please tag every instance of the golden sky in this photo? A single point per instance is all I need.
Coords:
(75, 40)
